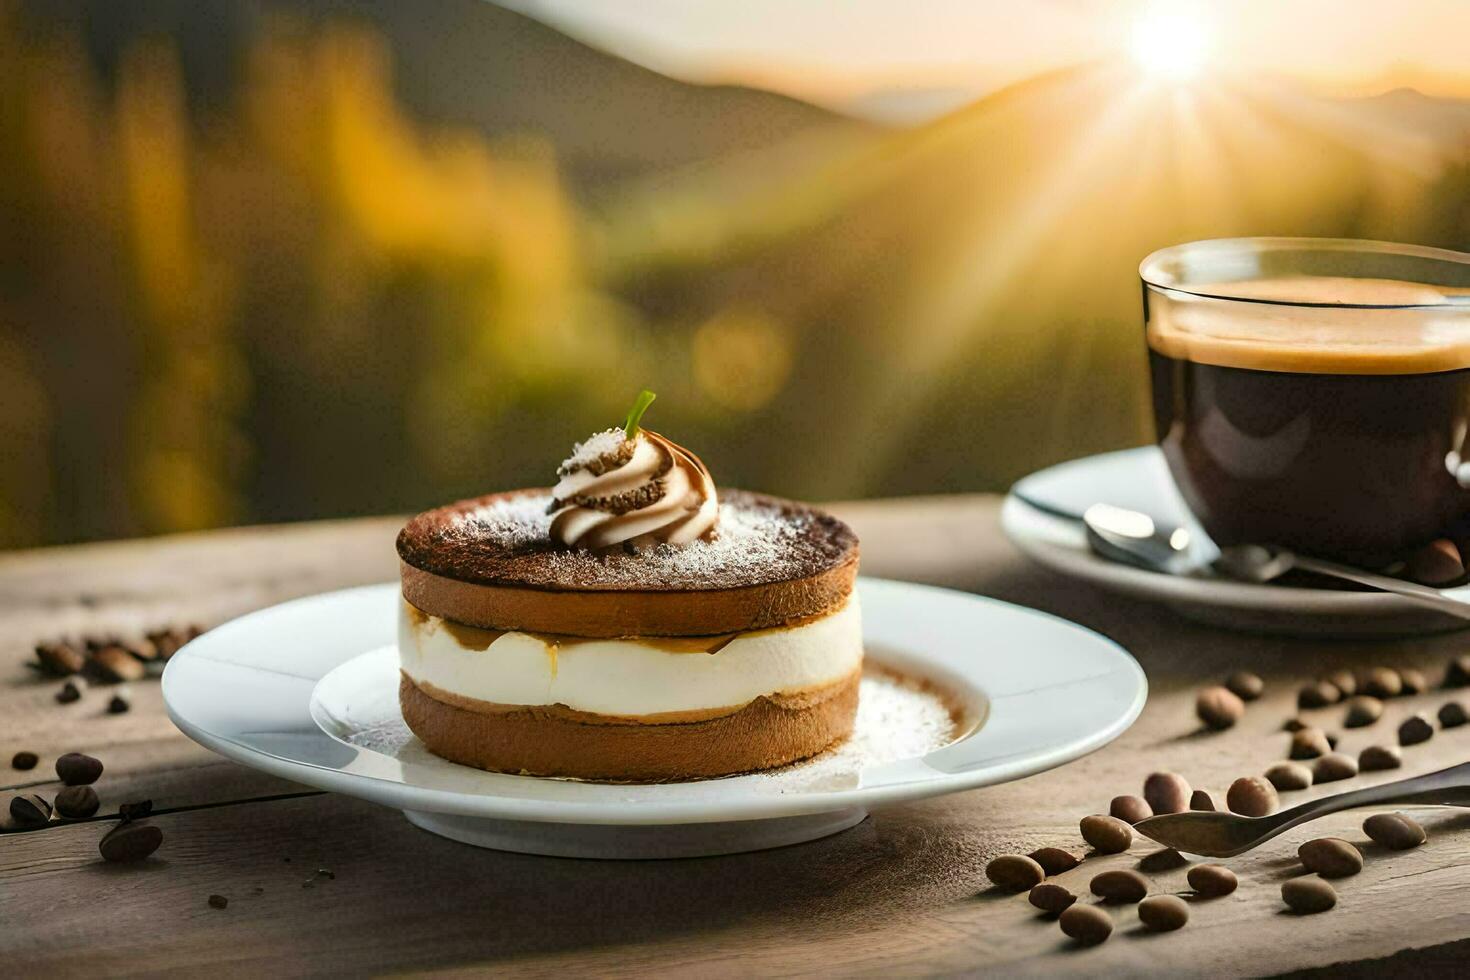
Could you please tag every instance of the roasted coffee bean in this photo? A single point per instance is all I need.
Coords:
(1107, 835)
(1251, 796)
(1119, 885)
(1014, 873)
(1394, 831)
(1344, 681)
(218, 901)
(1308, 895)
(1452, 715)
(1376, 758)
(1201, 800)
(30, 810)
(59, 659)
(1218, 707)
(1054, 860)
(137, 810)
(1362, 711)
(77, 802)
(1158, 862)
(1289, 776)
(1212, 880)
(1414, 681)
(1294, 725)
(1163, 913)
(1458, 674)
(1130, 809)
(70, 691)
(1330, 857)
(130, 841)
(1166, 792)
(1050, 897)
(114, 663)
(1415, 729)
(1331, 768)
(1437, 563)
(1383, 682)
(1309, 743)
(1317, 694)
(1087, 924)
(118, 705)
(24, 760)
(1245, 685)
(76, 769)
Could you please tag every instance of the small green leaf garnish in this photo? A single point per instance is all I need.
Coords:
(635, 414)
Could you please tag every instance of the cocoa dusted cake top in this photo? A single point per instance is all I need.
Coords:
(505, 539)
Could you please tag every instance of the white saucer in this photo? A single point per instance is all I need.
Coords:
(1139, 480)
(297, 690)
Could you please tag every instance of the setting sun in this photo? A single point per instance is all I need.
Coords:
(1171, 42)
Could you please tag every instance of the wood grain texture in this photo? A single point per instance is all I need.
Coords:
(904, 892)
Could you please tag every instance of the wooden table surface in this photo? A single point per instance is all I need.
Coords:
(905, 891)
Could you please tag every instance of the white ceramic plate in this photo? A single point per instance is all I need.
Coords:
(1139, 480)
(291, 689)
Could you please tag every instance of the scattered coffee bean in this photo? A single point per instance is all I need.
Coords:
(1362, 711)
(1330, 857)
(1437, 563)
(1287, 776)
(1309, 743)
(1054, 860)
(1087, 924)
(1452, 715)
(1201, 800)
(1458, 674)
(1119, 885)
(1163, 913)
(1414, 681)
(1160, 861)
(77, 802)
(114, 663)
(1130, 809)
(1107, 835)
(1383, 682)
(1294, 725)
(30, 810)
(1212, 880)
(137, 810)
(1166, 792)
(130, 841)
(1050, 897)
(1377, 758)
(1218, 707)
(1415, 729)
(218, 901)
(1394, 831)
(1317, 694)
(1251, 796)
(75, 769)
(118, 705)
(70, 691)
(1014, 873)
(58, 659)
(24, 760)
(1308, 895)
(1245, 685)
(1331, 768)
(1344, 681)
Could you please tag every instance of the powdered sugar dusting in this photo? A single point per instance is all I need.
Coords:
(604, 443)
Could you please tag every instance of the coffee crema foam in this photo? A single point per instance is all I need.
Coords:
(1339, 336)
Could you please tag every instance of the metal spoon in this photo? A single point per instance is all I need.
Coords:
(1137, 539)
(1216, 834)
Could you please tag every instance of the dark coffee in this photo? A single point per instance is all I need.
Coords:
(1336, 431)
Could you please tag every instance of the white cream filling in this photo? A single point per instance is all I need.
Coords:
(628, 677)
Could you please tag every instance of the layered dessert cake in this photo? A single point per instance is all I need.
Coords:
(630, 623)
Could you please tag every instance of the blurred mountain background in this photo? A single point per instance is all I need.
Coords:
(266, 261)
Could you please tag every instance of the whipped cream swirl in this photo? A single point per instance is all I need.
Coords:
(640, 491)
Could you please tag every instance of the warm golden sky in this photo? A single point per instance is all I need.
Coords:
(842, 51)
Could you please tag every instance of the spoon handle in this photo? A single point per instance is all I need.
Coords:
(1422, 594)
(1447, 786)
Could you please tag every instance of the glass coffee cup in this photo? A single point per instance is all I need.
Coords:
(1315, 393)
